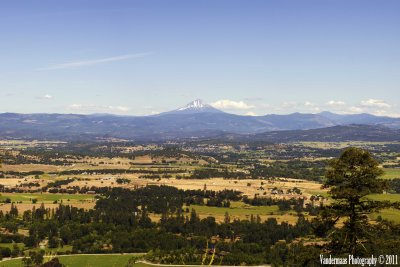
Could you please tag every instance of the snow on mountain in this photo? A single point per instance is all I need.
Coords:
(196, 106)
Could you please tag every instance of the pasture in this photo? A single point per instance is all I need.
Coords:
(24, 201)
(391, 173)
(388, 214)
(384, 197)
(44, 197)
(239, 210)
(102, 260)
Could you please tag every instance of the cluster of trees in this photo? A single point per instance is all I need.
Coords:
(17, 189)
(119, 171)
(308, 170)
(30, 184)
(394, 185)
(211, 198)
(296, 204)
(23, 174)
(162, 199)
(122, 181)
(155, 176)
(79, 190)
(57, 184)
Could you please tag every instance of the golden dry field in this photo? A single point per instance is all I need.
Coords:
(86, 176)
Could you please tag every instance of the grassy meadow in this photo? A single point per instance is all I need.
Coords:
(391, 173)
(388, 214)
(45, 197)
(85, 261)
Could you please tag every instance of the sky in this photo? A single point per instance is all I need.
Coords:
(252, 57)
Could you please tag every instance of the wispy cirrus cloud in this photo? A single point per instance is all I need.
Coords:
(85, 63)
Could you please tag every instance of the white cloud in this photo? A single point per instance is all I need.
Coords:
(309, 104)
(250, 113)
(83, 63)
(354, 110)
(46, 97)
(375, 103)
(333, 103)
(311, 107)
(230, 104)
(385, 112)
(98, 108)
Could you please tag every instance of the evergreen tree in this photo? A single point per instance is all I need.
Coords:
(350, 178)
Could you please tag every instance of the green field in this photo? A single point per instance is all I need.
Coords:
(391, 173)
(236, 209)
(384, 197)
(85, 261)
(388, 214)
(45, 197)
(11, 245)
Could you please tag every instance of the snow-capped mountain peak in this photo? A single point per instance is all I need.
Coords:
(196, 106)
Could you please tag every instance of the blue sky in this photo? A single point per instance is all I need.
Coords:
(242, 56)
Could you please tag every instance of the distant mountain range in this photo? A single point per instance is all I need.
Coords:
(339, 133)
(195, 120)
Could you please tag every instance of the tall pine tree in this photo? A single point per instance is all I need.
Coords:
(350, 178)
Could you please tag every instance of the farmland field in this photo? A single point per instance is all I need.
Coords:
(384, 197)
(45, 197)
(244, 212)
(391, 173)
(84, 260)
(240, 211)
(388, 214)
(24, 201)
